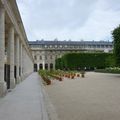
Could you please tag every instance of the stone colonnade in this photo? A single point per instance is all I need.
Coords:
(16, 61)
(44, 66)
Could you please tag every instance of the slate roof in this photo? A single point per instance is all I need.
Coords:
(56, 42)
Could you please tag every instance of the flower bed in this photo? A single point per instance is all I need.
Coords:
(56, 77)
(45, 77)
(115, 70)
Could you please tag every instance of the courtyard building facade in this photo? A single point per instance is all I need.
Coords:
(16, 61)
(45, 52)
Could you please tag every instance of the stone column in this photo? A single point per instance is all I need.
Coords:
(3, 87)
(43, 62)
(17, 59)
(43, 65)
(11, 56)
(54, 66)
(48, 66)
(37, 66)
(21, 60)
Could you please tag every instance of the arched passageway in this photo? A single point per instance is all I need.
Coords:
(51, 66)
(40, 66)
(46, 66)
(35, 68)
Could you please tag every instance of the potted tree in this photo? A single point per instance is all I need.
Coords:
(82, 73)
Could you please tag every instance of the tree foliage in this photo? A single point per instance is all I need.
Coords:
(75, 61)
(116, 37)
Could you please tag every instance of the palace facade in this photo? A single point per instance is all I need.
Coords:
(18, 57)
(46, 52)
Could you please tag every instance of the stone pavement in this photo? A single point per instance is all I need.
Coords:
(25, 102)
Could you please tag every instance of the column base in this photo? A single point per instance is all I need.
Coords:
(21, 78)
(18, 80)
(12, 83)
(3, 89)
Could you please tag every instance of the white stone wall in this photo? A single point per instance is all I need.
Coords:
(18, 61)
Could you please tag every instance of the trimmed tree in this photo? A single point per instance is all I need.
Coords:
(116, 37)
(76, 61)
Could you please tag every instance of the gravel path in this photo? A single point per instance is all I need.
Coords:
(95, 97)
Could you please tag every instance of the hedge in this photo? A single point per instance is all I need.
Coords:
(109, 70)
(78, 61)
(116, 38)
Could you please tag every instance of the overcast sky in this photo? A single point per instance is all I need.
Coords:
(70, 19)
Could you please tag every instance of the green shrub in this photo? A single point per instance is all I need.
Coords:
(116, 38)
(74, 61)
(115, 70)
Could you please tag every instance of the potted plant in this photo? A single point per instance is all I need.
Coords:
(82, 74)
(72, 77)
(78, 75)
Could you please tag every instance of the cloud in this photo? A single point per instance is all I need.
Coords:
(70, 19)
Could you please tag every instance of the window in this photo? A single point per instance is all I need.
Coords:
(40, 57)
(35, 57)
(106, 46)
(46, 57)
(51, 57)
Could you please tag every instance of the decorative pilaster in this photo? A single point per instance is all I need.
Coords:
(3, 87)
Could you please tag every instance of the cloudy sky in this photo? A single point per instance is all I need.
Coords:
(70, 19)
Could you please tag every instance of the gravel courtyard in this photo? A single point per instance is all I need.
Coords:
(95, 97)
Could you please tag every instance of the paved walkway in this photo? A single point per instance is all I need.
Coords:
(25, 102)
